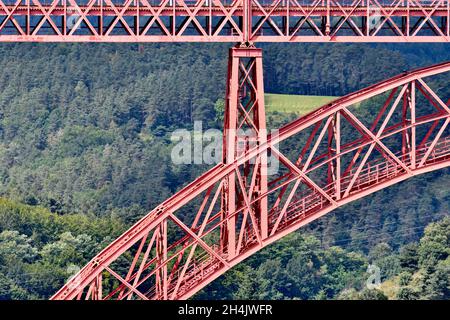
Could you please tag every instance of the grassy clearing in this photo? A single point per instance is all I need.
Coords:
(294, 103)
(390, 288)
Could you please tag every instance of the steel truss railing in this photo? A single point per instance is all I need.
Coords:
(225, 20)
(237, 208)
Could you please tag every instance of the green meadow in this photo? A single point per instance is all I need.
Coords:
(299, 104)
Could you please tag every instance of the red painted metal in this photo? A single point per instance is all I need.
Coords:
(235, 209)
(237, 21)
(244, 127)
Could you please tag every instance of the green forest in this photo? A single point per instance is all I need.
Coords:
(85, 152)
(39, 250)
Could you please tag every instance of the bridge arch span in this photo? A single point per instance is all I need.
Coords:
(332, 156)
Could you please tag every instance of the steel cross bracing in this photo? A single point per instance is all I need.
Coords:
(332, 157)
(225, 20)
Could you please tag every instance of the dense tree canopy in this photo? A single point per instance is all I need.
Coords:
(39, 255)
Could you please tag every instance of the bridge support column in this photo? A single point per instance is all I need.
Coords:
(244, 129)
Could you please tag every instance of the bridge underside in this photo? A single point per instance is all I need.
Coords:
(269, 185)
(233, 21)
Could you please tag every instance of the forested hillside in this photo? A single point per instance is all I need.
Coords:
(299, 267)
(85, 134)
(40, 250)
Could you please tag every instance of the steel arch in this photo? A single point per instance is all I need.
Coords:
(341, 157)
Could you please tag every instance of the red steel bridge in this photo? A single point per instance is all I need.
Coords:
(237, 207)
(238, 21)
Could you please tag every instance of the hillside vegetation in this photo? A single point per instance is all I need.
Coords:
(40, 250)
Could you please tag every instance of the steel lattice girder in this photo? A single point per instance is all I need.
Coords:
(225, 20)
(173, 259)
